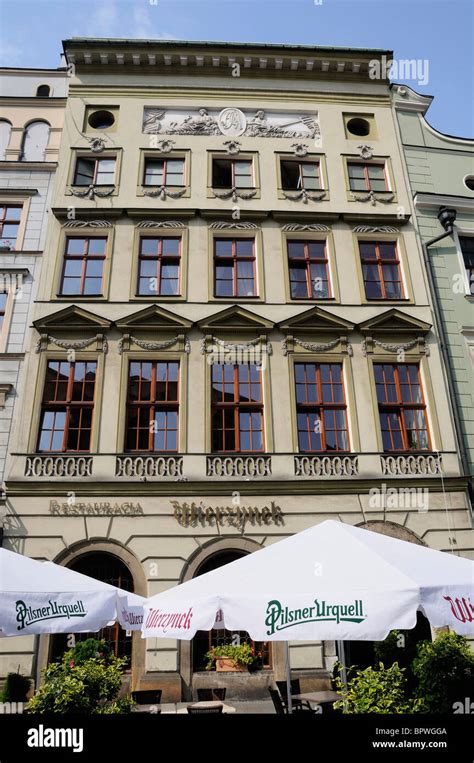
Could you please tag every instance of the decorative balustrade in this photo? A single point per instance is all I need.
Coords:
(58, 466)
(238, 466)
(149, 466)
(326, 466)
(406, 466)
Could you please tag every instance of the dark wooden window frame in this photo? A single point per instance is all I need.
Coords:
(161, 259)
(237, 407)
(233, 163)
(380, 261)
(153, 405)
(231, 261)
(301, 163)
(96, 160)
(320, 407)
(367, 179)
(5, 221)
(305, 264)
(84, 257)
(400, 406)
(165, 171)
(55, 405)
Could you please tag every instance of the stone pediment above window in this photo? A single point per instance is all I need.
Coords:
(394, 322)
(60, 329)
(395, 332)
(154, 329)
(235, 319)
(316, 330)
(315, 320)
(153, 318)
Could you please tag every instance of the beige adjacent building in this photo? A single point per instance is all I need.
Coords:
(233, 335)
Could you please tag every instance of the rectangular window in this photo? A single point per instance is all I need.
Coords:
(467, 248)
(94, 171)
(402, 408)
(321, 409)
(169, 172)
(237, 408)
(83, 266)
(68, 406)
(381, 270)
(159, 267)
(152, 406)
(10, 218)
(298, 175)
(367, 177)
(234, 267)
(309, 270)
(232, 173)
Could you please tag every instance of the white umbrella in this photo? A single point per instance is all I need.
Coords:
(332, 581)
(43, 597)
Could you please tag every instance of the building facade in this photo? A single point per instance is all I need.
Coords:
(32, 103)
(234, 336)
(441, 176)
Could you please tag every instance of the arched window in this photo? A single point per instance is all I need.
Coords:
(43, 91)
(35, 141)
(108, 569)
(5, 132)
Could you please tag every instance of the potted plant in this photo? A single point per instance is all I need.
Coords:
(229, 658)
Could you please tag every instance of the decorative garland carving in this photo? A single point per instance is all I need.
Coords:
(299, 149)
(206, 347)
(304, 195)
(234, 194)
(87, 224)
(395, 348)
(91, 191)
(323, 347)
(72, 344)
(313, 227)
(151, 346)
(96, 145)
(234, 226)
(375, 229)
(366, 152)
(163, 192)
(165, 146)
(373, 197)
(175, 224)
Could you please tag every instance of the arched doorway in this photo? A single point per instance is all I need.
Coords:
(109, 569)
(204, 640)
(402, 649)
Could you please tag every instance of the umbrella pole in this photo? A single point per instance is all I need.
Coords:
(341, 653)
(288, 678)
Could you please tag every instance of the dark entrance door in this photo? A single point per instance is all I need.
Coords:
(108, 569)
(203, 640)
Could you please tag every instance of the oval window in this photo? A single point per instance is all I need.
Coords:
(358, 126)
(469, 182)
(101, 120)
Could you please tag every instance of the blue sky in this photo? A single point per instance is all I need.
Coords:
(438, 31)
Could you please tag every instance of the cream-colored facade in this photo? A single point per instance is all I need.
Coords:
(166, 515)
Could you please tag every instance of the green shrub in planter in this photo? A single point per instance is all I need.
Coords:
(242, 654)
(375, 690)
(444, 672)
(86, 680)
(16, 688)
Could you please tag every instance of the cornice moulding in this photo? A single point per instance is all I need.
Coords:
(435, 201)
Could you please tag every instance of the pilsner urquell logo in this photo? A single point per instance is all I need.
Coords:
(280, 617)
(27, 615)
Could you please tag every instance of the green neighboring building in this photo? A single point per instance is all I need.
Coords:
(440, 171)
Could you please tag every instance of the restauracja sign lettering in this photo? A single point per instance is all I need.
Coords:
(190, 514)
(26, 615)
(102, 509)
(280, 617)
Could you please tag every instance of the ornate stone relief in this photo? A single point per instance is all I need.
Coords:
(163, 192)
(234, 194)
(299, 149)
(207, 343)
(366, 152)
(91, 191)
(97, 145)
(87, 224)
(128, 339)
(232, 122)
(287, 345)
(373, 197)
(160, 224)
(375, 229)
(72, 344)
(369, 344)
(313, 227)
(234, 226)
(165, 145)
(232, 146)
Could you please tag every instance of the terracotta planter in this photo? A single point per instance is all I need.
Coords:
(226, 665)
